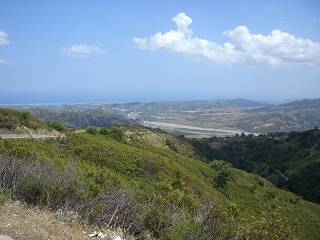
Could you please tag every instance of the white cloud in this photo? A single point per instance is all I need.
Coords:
(4, 61)
(243, 46)
(4, 38)
(82, 51)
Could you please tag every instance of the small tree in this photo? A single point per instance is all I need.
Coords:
(113, 132)
(171, 145)
(224, 174)
(56, 125)
(92, 130)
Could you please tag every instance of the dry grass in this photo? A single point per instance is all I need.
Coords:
(21, 222)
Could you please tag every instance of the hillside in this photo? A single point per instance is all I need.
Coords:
(12, 120)
(293, 116)
(23, 124)
(154, 189)
(149, 184)
(289, 160)
(81, 116)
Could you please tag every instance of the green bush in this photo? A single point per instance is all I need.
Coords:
(225, 173)
(272, 227)
(3, 196)
(12, 119)
(56, 125)
(92, 130)
(171, 145)
(113, 132)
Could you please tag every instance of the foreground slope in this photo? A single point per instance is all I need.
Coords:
(160, 191)
(22, 222)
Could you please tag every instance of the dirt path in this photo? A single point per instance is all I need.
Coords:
(26, 136)
(24, 223)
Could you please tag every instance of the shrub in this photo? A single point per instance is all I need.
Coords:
(171, 145)
(56, 125)
(12, 119)
(224, 174)
(112, 208)
(92, 130)
(41, 183)
(38, 182)
(3, 196)
(272, 227)
(113, 132)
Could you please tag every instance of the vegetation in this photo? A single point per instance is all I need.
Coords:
(225, 173)
(171, 145)
(151, 191)
(11, 119)
(56, 125)
(271, 227)
(92, 130)
(289, 160)
(145, 189)
(113, 132)
(3, 196)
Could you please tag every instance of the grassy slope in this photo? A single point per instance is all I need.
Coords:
(154, 171)
(12, 119)
(295, 154)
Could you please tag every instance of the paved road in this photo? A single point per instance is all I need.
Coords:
(26, 136)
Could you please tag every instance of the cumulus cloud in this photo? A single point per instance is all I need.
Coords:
(4, 38)
(82, 51)
(243, 47)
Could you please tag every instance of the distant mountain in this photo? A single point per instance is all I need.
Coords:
(196, 105)
(82, 117)
(293, 116)
(231, 114)
(305, 103)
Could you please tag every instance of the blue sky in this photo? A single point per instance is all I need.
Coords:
(93, 51)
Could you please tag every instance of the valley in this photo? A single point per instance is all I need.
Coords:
(191, 118)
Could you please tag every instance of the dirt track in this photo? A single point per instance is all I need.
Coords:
(26, 136)
(21, 222)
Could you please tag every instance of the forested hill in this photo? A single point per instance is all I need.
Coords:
(80, 117)
(289, 160)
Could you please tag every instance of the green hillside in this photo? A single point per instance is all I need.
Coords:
(289, 160)
(80, 117)
(13, 120)
(155, 190)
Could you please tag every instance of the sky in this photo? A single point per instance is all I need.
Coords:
(124, 51)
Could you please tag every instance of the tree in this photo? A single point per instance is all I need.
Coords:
(92, 130)
(224, 174)
(56, 125)
(113, 132)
